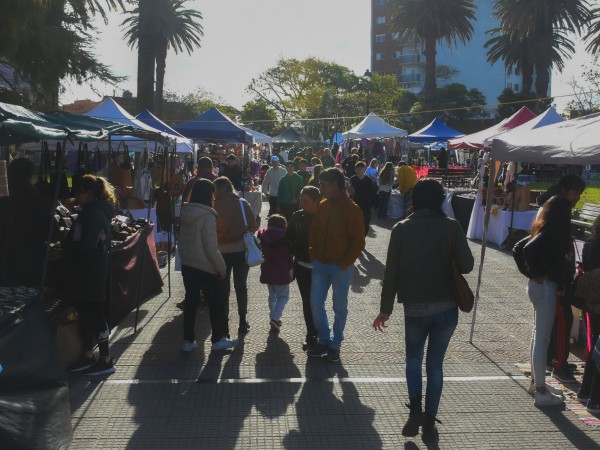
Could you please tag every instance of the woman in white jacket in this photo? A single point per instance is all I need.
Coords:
(202, 267)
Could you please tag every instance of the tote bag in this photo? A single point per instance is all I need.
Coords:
(254, 255)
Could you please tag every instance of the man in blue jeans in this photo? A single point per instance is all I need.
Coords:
(337, 237)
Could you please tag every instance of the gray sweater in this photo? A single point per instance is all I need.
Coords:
(418, 261)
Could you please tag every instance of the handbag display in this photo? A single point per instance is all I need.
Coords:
(584, 291)
(254, 255)
(462, 293)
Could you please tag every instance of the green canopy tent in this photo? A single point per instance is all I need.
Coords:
(19, 125)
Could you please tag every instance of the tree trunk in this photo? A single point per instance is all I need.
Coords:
(161, 64)
(51, 85)
(146, 58)
(430, 83)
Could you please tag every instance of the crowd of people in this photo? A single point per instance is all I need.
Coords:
(316, 228)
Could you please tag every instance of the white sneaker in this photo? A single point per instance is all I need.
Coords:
(188, 346)
(223, 344)
(554, 390)
(547, 399)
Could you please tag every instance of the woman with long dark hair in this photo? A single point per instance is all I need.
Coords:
(86, 251)
(418, 272)
(202, 267)
(549, 256)
(386, 180)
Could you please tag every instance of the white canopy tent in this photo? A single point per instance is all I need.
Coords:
(258, 137)
(569, 142)
(373, 126)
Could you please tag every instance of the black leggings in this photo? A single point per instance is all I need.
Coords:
(93, 325)
(236, 263)
(303, 277)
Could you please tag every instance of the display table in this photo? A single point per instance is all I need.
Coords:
(500, 222)
(462, 208)
(126, 276)
(255, 198)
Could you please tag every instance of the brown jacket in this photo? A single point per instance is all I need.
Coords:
(337, 234)
(230, 223)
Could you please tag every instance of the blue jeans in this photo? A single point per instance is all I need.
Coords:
(439, 328)
(279, 294)
(324, 276)
(543, 297)
(384, 199)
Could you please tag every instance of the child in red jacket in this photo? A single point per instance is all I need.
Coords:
(276, 271)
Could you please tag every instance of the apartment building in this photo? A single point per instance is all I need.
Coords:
(393, 54)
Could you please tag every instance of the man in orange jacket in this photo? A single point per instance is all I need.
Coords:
(337, 237)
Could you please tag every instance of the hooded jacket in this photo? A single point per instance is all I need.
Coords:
(198, 245)
(277, 268)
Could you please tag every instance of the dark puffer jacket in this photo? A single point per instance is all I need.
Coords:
(86, 249)
(277, 268)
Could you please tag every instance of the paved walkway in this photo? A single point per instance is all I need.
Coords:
(266, 394)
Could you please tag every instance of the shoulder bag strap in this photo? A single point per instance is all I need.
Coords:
(244, 213)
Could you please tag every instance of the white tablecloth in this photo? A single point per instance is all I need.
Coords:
(498, 226)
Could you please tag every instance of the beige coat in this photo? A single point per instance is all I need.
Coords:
(230, 223)
(198, 246)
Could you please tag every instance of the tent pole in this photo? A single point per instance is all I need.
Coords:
(172, 211)
(514, 191)
(488, 201)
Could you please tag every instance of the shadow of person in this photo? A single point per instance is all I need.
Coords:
(331, 407)
(276, 361)
(368, 267)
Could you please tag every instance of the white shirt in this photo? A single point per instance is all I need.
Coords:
(271, 182)
(284, 154)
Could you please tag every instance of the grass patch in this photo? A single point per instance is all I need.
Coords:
(590, 195)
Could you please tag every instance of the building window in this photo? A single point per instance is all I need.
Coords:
(516, 87)
(397, 54)
(380, 38)
(396, 35)
(378, 57)
(381, 20)
(381, 2)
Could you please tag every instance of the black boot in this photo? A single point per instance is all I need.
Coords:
(430, 431)
(244, 326)
(415, 418)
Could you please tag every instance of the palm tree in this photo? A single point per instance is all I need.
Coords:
(172, 26)
(544, 23)
(515, 53)
(593, 35)
(434, 21)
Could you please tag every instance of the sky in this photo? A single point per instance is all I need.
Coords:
(243, 38)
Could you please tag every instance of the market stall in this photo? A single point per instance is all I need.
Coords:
(565, 142)
(379, 139)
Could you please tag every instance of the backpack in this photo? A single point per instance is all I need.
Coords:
(519, 256)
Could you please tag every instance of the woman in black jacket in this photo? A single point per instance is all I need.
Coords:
(589, 392)
(296, 236)
(86, 249)
(549, 256)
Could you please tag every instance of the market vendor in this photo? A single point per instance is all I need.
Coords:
(86, 250)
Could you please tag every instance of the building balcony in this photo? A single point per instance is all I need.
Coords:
(409, 78)
(409, 59)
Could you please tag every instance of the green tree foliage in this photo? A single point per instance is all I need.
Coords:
(174, 27)
(541, 28)
(586, 90)
(257, 115)
(45, 42)
(434, 21)
(201, 99)
(512, 101)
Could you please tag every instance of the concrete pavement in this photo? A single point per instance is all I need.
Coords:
(267, 394)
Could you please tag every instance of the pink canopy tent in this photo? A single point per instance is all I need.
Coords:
(476, 141)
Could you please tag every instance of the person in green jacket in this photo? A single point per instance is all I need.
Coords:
(418, 272)
(288, 192)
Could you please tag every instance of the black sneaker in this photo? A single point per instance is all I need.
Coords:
(275, 326)
(563, 375)
(83, 363)
(333, 354)
(309, 343)
(318, 350)
(100, 368)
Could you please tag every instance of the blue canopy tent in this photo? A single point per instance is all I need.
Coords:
(214, 126)
(259, 138)
(184, 145)
(436, 131)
